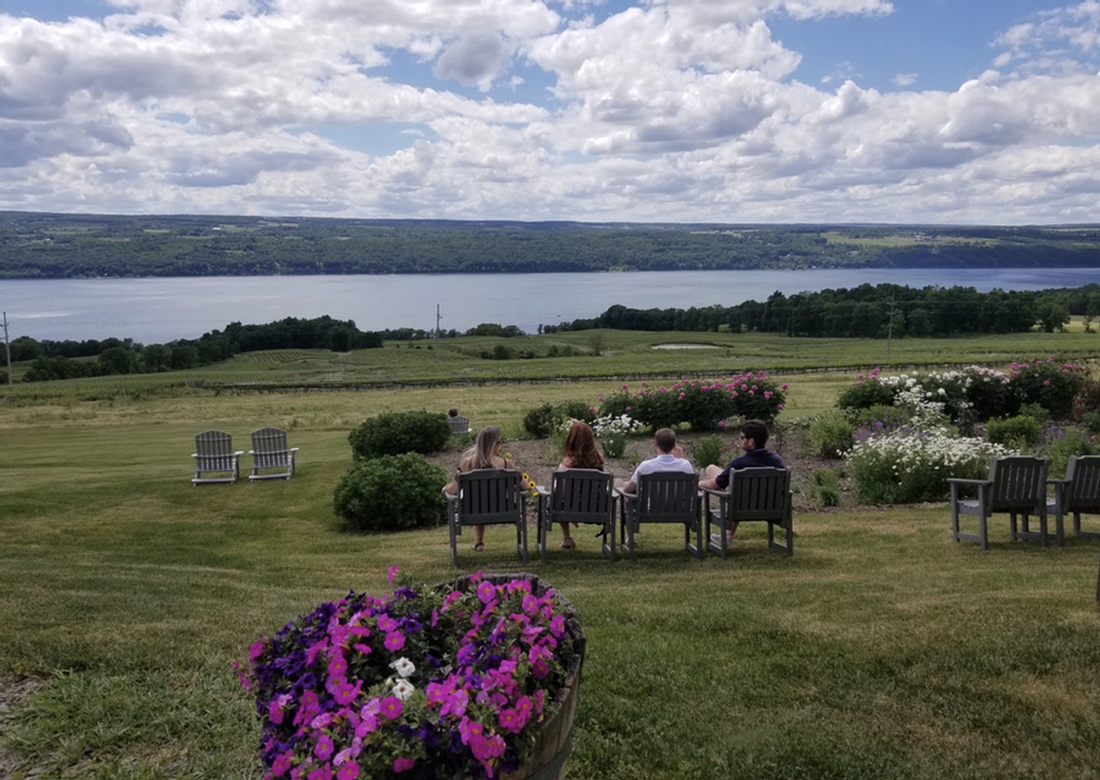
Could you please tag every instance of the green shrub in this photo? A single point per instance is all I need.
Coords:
(990, 393)
(1091, 421)
(708, 451)
(1064, 444)
(395, 433)
(866, 393)
(831, 434)
(543, 422)
(1019, 432)
(1054, 386)
(391, 493)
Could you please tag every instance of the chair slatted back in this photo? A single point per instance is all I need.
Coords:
(667, 497)
(215, 451)
(490, 496)
(762, 493)
(269, 448)
(581, 495)
(459, 425)
(1083, 484)
(1018, 484)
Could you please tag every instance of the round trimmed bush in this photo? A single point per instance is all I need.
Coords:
(391, 493)
(395, 433)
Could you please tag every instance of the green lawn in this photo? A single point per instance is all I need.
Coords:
(881, 650)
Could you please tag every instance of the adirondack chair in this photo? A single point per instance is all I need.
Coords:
(578, 496)
(214, 454)
(1078, 493)
(488, 497)
(459, 425)
(761, 493)
(269, 451)
(662, 497)
(1017, 486)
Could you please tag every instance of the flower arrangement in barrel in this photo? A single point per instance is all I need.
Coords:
(444, 682)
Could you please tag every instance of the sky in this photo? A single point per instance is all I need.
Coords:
(776, 111)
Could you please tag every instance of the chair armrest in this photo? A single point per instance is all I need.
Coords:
(450, 496)
(961, 481)
(238, 453)
(714, 491)
(295, 449)
(542, 491)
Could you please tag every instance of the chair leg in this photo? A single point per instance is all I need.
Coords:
(454, 541)
(983, 530)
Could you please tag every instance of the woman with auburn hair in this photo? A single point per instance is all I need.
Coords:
(484, 454)
(580, 452)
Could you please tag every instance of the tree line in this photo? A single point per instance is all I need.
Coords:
(54, 246)
(867, 311)
(70, 359)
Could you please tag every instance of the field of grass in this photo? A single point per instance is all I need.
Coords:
(881, 650)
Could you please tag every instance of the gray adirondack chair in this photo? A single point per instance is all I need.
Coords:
(214, 454)
(269, 451)
(1078, 493)
(578, 496)
(459, 425)
(1017, 486)
(662, 497)
(488, 497)
(760, 494)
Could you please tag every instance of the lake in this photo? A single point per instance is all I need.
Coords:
(159, 310)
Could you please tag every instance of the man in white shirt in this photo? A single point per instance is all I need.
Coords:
(670, 457)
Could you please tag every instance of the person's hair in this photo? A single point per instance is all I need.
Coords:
(666, 439)
(452, 412)
(480, 456)
(580, 447)
(756, 430)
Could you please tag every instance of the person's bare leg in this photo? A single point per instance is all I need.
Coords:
(567, 537)
(712, 471)
(479, 537)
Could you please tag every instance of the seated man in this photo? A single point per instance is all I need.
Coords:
(754, 438)
(670, 457)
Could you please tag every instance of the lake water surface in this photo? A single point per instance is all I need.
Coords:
(160, 310)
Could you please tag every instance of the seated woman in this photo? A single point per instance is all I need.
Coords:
(485, 454)
(580, 453)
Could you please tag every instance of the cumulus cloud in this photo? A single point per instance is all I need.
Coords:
(534, 109)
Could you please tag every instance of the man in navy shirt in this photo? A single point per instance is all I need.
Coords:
(754, 438)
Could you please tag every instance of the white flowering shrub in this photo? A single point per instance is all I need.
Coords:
(613, 430)
(907, 465)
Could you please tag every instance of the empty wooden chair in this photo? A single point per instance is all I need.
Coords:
(271, 455)
(1078, 493)
(1017, 486)
(663, 497)
(578, 496)
(488, 497)
(761, 494)
(214, 454)
(459, 425)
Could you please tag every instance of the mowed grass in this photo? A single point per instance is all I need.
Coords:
(881, 650)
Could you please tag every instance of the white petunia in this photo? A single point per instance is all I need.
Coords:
(403, 689)
(403, 666)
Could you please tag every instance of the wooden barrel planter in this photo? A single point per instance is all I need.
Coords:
(547, 760)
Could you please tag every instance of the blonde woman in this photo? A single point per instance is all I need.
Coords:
(485, 454)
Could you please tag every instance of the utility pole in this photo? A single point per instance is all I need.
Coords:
(890, 329)
(438, 336)
(7, 349)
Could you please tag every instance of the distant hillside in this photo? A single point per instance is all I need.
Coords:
(56, 246)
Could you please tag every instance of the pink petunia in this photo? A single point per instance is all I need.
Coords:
(348, 771)
(392, 707)
(281, 765)
(324, 747)
(394, 641)
(256, 650)
(403, 765)
(391, 575)
(486, 592)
